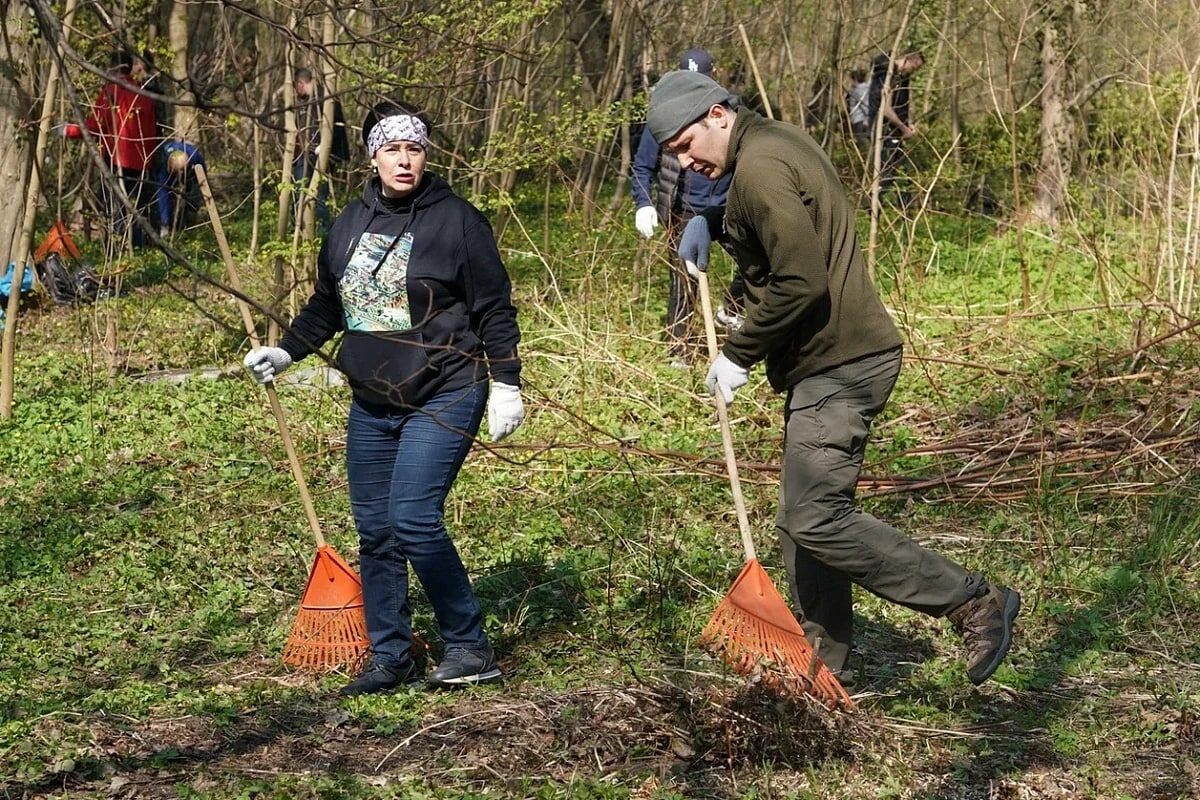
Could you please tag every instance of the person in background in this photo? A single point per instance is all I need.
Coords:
(814, 316)
(412, 275)
(668, 196)
(143, 75)
(858, 108)
(126, 126)
(178, 190)
(310, 100)
(894, 106)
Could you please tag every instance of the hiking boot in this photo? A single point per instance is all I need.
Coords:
(465, 666)
(986, 625)
(378, 678)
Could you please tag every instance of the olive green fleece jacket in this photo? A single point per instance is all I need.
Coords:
(810, 304)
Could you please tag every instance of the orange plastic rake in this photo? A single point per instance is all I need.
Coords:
(752, 628)
(330, 630)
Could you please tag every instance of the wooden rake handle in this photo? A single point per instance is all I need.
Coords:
(735, 484)
(297, 472)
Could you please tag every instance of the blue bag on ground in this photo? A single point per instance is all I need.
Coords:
(6, 282)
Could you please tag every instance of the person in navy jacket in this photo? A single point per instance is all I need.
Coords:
(178, 191)
(666, 195)
(411, 274)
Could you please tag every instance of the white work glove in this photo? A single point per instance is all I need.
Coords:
(646, 220)
(694, 244)
(505, 410)
(728, 376)
(265, 363)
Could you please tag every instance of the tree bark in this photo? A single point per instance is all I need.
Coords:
(609, 89)
(186, 126)
(589, 28)
(16, 104)
(955, 109)
(279, 271)
(877, 148)
(324, 146)
(24, 240)
(289, 140)
(1057, 130)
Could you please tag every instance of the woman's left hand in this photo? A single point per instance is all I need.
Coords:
(505, 410)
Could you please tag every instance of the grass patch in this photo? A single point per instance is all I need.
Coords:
(153, 549)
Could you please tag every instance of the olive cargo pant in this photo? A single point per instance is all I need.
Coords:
(827, 542)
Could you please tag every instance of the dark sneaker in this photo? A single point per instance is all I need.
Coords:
(377, 678)
(464, 666)
(986, 625)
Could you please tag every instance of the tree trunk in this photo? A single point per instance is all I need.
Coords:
(24, 240)
(877, 148)
(324, 146)
(256, 173)
(620, 191)
(15, 102)
(15, 109)
(589, 28)
(279, 272)
(282, 225)
(608, 89)
(955, 112)
(177, 30)
(1057, 133)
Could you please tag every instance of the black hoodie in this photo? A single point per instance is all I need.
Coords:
(418, 286)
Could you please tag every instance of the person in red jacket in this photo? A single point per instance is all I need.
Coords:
(126, 125)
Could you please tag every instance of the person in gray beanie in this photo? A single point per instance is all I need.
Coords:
(814, 316)
(665, 195)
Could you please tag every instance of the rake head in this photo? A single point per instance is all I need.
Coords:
(330, 630)
(753, 630)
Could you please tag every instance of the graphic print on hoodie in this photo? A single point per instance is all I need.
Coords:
(418, 286)
(374, 288)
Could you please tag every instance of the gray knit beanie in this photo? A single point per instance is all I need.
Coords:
(679, 99)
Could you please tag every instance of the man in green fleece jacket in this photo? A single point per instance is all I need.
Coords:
(814, 316)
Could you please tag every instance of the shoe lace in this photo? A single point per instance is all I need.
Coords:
(370, 669)
(975, 624)
(457, 654)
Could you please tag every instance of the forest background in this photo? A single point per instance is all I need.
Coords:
(1044, 429)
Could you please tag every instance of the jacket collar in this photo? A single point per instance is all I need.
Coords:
(747, 121)
(430, 190)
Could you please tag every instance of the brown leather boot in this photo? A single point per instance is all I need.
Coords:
(986, 625)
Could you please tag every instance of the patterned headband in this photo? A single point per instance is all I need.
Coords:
(397, 128)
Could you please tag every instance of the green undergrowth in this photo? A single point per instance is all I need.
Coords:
(153, 546)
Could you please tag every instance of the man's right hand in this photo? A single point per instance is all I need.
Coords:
(645, 219)
(694, 244)
(265, 363)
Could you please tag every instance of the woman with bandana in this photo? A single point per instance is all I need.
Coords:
(412, 275)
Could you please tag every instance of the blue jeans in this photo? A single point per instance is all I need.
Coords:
(401, 464)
